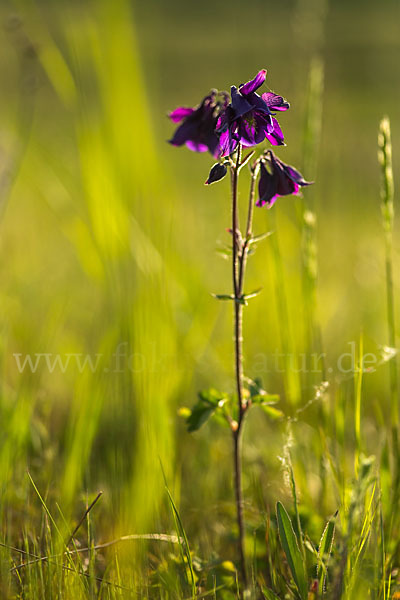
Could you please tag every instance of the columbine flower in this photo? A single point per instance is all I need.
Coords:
(249, 119)
(198, 128)
(282, 181)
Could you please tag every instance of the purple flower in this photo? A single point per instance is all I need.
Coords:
(282, 181)
(249, 119)
(197, 130)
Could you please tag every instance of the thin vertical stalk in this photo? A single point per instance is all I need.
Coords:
(236, 246)
(358, 381)
(237, 457)
(249, 226)
(240, 250)
(240, 253)
(387, 206)
(238, 341)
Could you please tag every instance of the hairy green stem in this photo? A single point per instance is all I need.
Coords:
(243, 259)
(236, 253)
(237, 431)
(240, 251)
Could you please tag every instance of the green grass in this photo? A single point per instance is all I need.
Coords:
(108, 237)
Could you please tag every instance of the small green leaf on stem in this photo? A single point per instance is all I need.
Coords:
(200, 415)
(252, 294)
(254, 386)
(257, 393)
(273, 413)
(213, 396)
(258, 238)
(209, 401)
(223, 296)
(225, 252)
(265, 399)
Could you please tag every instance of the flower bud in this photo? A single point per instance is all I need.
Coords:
(217, 172)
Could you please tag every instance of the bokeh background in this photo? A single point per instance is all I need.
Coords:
(108, 240)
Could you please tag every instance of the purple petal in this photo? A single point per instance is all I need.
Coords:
(221, 123)
(275, 136)
(252, 127)
(282, 181)
(224, 142)
(267, 187)
(264, 121)
(247, 132)
(239, 103)
(270, 203)
(196, 146)
(227, 142)
(224, 119)
(284, 185)
(212, 142)
(254, 84)
(275, 102)
(185, 132)
(296, 176)
(258, 103)
(180, 113)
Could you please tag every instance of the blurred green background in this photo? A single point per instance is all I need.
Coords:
(109, 237)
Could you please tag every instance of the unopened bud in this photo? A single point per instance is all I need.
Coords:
(217, 172)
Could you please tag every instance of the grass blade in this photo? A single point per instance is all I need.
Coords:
(268, 594)
(324, 552)
(290, 546)
(183, 541)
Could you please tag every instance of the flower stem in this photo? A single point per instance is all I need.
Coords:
(235, 221)
(239, 252)
(237, 454)
(237, 458)
(254, 172)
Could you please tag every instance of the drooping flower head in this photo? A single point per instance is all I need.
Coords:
(249, 119)
(282, 180)
(197, 130)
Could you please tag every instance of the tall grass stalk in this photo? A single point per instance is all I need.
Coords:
(307, 215)
(387, 207)
(358, 381)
